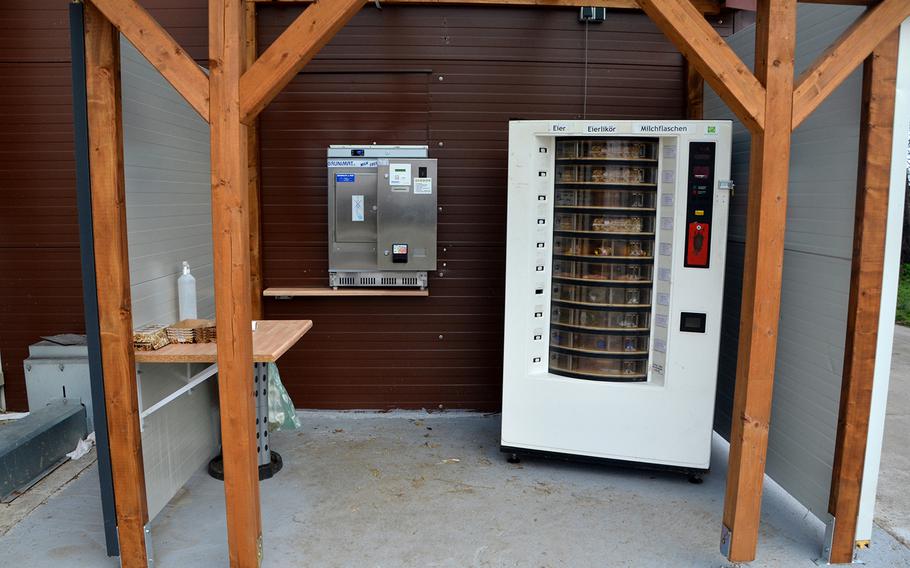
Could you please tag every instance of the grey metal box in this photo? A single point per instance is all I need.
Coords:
(57, 367)
(382, 215)
(30, 446)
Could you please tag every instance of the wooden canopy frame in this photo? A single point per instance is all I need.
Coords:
(770, 102)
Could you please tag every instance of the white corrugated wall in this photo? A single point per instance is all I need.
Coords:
(168, 209)
(816, 278)
(168, 186)
(817, 262)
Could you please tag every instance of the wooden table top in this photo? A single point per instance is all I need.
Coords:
(271, 340)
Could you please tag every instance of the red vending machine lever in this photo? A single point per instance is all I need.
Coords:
(697, 244)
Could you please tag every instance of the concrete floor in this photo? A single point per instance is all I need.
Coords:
(410, 489)
(407, 489)
(892, 508)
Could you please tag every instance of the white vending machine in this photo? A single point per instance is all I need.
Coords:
(614, 285)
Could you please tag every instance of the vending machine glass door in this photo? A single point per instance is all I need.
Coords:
(603, 257)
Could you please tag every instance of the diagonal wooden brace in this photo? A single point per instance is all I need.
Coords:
(161, 50)
(710, 55)
(296, 46)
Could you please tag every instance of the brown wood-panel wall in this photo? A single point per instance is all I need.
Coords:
(40, 273)
(450, 77)
(40, 283)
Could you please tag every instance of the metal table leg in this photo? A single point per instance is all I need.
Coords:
(269, 461)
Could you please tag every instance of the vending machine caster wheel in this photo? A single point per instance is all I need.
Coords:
(695, 479)
(513, 458)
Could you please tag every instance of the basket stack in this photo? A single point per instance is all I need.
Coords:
(192, 331)
(150, 337)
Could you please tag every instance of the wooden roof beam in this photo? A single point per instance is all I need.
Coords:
(710, 55)
(704, 6)
(296, 46)
(841, 59)
(162, 51)
(841, 2)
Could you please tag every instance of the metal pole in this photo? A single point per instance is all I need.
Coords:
(89, 285)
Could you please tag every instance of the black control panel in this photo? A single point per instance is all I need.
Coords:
(700, 203)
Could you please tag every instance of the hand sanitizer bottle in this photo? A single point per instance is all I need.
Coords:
(186, 293)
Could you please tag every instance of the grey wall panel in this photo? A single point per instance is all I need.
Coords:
(168, 192)
(816, 278)
(168, 209)
(180, 438)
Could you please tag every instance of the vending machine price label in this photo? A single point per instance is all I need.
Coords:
(423, 186)
(666, 249)
(662, 320)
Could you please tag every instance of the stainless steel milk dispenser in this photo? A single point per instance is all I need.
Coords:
(382, 216)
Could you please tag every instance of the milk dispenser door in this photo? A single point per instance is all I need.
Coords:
(406, 220)
(355, 204)
(603, 258)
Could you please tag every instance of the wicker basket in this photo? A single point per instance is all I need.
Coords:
(192, 331)
(150, 337)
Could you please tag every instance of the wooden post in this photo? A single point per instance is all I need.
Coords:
(695, 94)
(105, 133)
(231, 242)
(767, 214)
(256, 281)
(873, 184)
